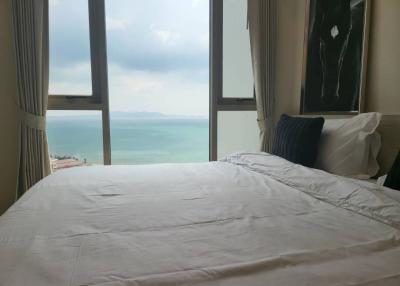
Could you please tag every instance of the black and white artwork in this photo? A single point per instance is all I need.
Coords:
(334, 56)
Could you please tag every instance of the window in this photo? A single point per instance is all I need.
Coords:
(237, 131)
(70, 64)
(158, 63)
(233, 124)
(78, 71)
(237, 76)
(145, 89)
(75, 138)
(158, 70)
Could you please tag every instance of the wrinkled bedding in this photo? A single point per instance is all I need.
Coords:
(250, 219)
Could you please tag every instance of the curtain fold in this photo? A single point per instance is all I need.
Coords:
(30, 22)
(262, 30)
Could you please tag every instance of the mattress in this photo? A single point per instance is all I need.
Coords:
(250, 219)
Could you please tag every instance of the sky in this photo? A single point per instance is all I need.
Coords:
(157, 54)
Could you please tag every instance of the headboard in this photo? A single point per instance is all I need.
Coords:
(389, 129)
(390, 134)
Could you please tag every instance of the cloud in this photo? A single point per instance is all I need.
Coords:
(166, 37)
(148, 35)
(157, 53)
(69, 32)
(113, 24)
(177, 93)
(71, 79)
(169, 93)
(196, 3)
(54, 2)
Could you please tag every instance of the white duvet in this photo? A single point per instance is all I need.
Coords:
(253, 219)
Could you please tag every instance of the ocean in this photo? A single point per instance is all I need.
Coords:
(133, 140)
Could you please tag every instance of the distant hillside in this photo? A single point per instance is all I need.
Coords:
(150, 115)
(122, 115)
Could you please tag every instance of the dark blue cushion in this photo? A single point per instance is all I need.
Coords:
(393, 177)
(297, 139)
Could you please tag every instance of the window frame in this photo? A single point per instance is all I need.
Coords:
(217, 101)
(99, 99)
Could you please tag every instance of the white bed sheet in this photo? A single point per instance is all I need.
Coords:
(254, 219)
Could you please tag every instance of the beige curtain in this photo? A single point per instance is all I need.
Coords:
(30, 21)
(262, 29)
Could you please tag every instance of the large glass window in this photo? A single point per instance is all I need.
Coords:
(158, 70)
(233, 117)
(158, 65)
(78, 122)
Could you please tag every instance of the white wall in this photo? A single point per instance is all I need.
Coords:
(383, 70)
(383, 80)
(8, 112)
(289, 58)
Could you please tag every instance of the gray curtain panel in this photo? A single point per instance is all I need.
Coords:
(30, 21)
(262, 29)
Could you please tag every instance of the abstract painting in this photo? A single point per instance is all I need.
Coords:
(334, 65)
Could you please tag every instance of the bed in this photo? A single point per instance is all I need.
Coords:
(250, 219)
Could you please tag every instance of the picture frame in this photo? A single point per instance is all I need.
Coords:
(335, 57)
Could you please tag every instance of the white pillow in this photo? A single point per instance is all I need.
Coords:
(381, 180)
(349, 147)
